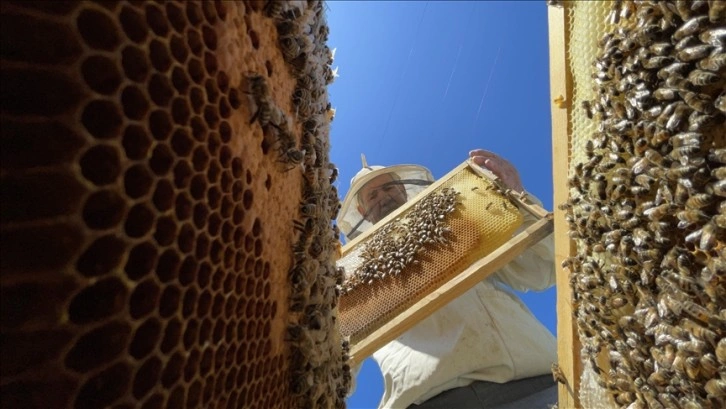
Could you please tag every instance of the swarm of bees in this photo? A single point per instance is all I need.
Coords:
(396, 245)
(647, 208)
(318, 355)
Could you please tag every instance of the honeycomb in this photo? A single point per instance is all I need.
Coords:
(148, 223)
(473, 234)
(646, 204)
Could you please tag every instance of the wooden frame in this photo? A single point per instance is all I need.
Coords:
(462, 282)
(568, 344)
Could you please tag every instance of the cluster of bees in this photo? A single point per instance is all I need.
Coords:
(396, 245)
(321, 376)
(647, 208)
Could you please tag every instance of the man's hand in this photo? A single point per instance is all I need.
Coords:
(499, 166)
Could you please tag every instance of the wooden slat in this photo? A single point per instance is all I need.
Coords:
(568, 345)
(452, 289)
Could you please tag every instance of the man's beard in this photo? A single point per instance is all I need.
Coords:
(386, 207)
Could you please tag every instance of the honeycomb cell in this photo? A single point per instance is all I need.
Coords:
(165, 230)
(194, 42)
(181, 142)
(191, 365)
(98, 30)
(229, 380)
(163, 195)
(268, 67)
(249, 244)
(144, 299)
(190, 333)
(196, 96)
(259, 286)
(98, 301)
(156, 19)
(268, 182)
(183, 211)
(211, 116)
(194, 394)
(133, 24)
(102, 256)
(101, 74)
(170, 299)
(210, 12)
(237, 167)
(146, 377)
(145, 338)
(188, 269)
(210, 86)
(180, 80)
(103, 209)
(226, 208)
(176, 17)
(155, 401)
(135, 64)
(160, 56)
(98, 346)
(160, 89)
(182, 174)
(198, 186)
(267, 290)
(189, 302)
(218, 333)
(48, 345)
(139, 221)
(208, 391)
(225, 111)
(24, 38)
(217, 279)
(214, 143)
(172, 336)
(248, 177)
(209, 36)
(136, 142)
(142, 259)
(168, 265)
(102, 119)
(214, 197)
(225, 131)
(39, 195)
(254, 38)
(173, 370)
(228, 257)
(214, 224)
(194, 13)
(247, 199)
(204, 303)
(162, 158)
(205, 333)
(34, 144)
(38, 92)
(104, 388)
(217, 305)
(180, 111)
(100, 164)
(134, 101)
(235, 100)
(204, 274)
(231, 302)
(200, 158)
(176, 397)
(195, 68)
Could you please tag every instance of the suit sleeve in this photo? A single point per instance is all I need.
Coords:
(534, 269)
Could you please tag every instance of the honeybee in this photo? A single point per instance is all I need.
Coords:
(714, 63)
(690, 27)
(715, 36)
(717, 11)
(701, 78)
(694, 53)
(720, 102)
(293, 156)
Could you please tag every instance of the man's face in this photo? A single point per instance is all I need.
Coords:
(379, 197)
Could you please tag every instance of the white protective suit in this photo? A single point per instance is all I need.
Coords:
(486, 334)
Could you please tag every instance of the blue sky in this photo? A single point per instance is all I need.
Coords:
(424, 83)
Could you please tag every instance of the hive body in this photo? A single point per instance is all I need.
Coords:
(646, 204)
(154, 158)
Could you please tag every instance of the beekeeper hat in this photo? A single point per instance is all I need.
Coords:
(413, 178)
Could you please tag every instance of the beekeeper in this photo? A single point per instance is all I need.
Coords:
(484, 349)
